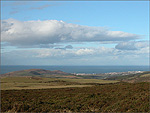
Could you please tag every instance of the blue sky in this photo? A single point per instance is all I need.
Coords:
(75, 33)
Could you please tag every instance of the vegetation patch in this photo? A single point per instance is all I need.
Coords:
(146, 75)
(120, 97)
(29, 82)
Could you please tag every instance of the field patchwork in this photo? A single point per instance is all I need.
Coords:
(9, 83)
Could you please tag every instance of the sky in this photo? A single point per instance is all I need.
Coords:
(75, 33)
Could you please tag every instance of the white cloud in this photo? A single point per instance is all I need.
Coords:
(27, 33)
(85, 51)
(67, 53)
(132, 45)
(74, 53)
(59, 53)
(145, 50)
(90, 56)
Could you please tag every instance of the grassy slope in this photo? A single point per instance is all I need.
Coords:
(39, 73)
(139, 77)
(91, 81)
(8, 83)
(145, 75)
(121, 97)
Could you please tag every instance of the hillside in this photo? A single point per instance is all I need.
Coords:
(132, 78)
(37, 72)
(119, 76)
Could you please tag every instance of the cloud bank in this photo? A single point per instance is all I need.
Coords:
(57, 42)
(89, 56)
(132, 45)
(27, 33)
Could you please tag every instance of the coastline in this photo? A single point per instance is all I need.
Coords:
(78, 69)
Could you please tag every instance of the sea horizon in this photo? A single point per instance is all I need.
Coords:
(77, 68)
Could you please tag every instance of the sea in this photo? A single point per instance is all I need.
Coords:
(77, 69)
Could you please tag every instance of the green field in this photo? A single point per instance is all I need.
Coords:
(9, 83)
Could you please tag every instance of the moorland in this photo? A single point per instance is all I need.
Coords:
(47, 91)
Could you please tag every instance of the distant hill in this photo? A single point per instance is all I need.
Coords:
(131, 78)
(35, 72)
(139, 77)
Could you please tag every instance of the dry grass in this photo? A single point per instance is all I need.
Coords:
(145, 75)
(11, 86)
(91, 81)
(9, 83)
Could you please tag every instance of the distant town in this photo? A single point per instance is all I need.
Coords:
(111, 73)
